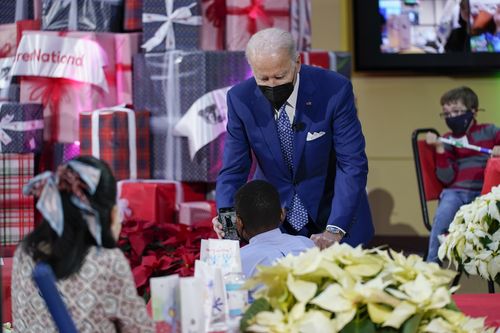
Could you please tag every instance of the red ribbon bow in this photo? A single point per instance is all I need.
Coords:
(50, 92)
(257, 11)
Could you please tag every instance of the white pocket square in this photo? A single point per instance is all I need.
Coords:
(314, 135)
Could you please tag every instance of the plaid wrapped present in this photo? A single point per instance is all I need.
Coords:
(246, 17)
(21, 127)
(339, 62)
(171, 24)
(55, 154)
(120, 137)
(132, 20)
(195, 212)
(16, 10)
(172, 84)
(82, 15)
(17, 215)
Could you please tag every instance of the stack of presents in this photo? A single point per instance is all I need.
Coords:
(138, 83)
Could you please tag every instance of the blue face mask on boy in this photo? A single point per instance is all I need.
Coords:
(459, 124)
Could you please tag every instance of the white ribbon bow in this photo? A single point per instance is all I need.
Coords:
(6, 124)
(181, 15)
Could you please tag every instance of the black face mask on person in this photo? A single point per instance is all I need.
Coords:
(459, 124)
(278, 95)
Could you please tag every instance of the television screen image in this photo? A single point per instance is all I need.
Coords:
(439, 26)
(452, 36)
(484, 21)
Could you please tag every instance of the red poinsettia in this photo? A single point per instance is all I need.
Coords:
(155, 249)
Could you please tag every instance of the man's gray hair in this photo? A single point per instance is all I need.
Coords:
(271, 40)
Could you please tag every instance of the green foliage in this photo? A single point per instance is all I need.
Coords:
(359, 325)
(259, 305)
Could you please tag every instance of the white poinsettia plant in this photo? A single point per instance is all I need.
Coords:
(473, 241)
(345, 289)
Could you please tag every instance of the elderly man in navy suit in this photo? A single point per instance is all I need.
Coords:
(301, 125)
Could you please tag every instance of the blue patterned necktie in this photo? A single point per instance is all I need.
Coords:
(297, 213)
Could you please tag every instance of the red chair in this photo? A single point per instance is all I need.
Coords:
(429, 187)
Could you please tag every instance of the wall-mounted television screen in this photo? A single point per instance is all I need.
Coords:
(427, 35)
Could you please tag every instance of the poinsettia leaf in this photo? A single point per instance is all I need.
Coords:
(484, 241)
(386, 330)
(257, 306)
(412, 324)
(494, 225)
(141, 275)
(138, 243)
(358, 325)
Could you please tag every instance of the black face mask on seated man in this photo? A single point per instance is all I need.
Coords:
(277, 95)
(459, 124)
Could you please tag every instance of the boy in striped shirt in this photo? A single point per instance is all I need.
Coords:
(460, 170)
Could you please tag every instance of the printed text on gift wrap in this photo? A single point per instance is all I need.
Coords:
(53, 57)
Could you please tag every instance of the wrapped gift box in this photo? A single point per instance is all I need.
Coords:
(171, 24)
(132, 18)
(213, 30)
(246, 17)
(300, 23)
(6, 293)
(17, 216)
(339, 62)
(10, 34)
(193, 213)
(55, 154)
(83, 15)
(171, 85)
(154, 200)
(21, 127)
(64, 98)
(16, 10)
(120, 137)
(9, 88)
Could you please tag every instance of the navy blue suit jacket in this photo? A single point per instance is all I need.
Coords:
(330, 171)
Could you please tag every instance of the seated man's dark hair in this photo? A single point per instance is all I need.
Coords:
(258, 205)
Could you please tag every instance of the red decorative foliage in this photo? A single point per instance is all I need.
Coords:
(160, 249)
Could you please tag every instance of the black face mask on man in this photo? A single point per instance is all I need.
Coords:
(459, 124)
(278, 95)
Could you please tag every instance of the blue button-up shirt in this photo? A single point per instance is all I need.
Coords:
(268, 246)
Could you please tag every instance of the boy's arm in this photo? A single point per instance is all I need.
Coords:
(446, 166)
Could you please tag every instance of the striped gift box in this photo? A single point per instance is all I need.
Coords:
(108, 134)
(17, 216)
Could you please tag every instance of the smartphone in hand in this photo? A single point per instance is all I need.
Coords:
(227, 217)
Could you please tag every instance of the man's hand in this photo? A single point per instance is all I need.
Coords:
(432, 140)
(325, 239)
(495, 151)
(217, 227)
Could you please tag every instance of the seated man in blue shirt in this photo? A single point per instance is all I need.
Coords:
(259, 214)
